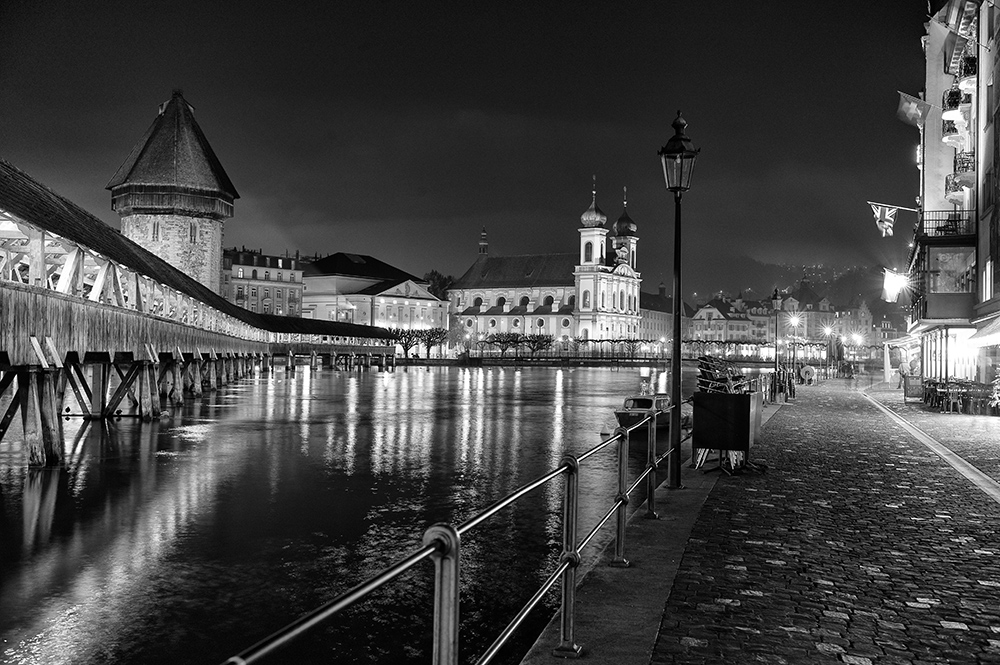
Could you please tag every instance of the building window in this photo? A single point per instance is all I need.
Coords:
(267, 275)
(279, 294)
(291, 277)
(156, 230)
(586, 299)
(524, 301)
(493, 323)
(239, 273)
(540, 323)
(279, 276)
(253, 307)
(468, 323)
(565, 323)
(501, 301)
(516, 323)
(267, 293)
(478, 302)
(239, 291)
(253, 291)
(253, 275)
(194, 232)
(548, 301)
(588, 252)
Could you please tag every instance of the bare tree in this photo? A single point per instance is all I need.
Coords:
(536, 343)
(406, 338)
(432, 337)
(505, 341)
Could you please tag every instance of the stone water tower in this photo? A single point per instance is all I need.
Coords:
(173, 195)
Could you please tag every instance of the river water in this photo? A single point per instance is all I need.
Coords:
(189, 539)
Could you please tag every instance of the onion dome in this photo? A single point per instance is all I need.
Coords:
(625, 226)
(593, 216)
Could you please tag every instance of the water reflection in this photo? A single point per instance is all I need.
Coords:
(205, 531)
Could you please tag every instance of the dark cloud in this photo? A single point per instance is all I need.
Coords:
(401, 129)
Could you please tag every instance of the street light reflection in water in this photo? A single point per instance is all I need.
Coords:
(191, 538)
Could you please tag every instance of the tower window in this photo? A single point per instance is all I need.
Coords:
(586, 299)
(588, 252)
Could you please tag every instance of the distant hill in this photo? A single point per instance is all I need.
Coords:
(757, 280)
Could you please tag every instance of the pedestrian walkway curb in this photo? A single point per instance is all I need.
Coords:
(618, 610)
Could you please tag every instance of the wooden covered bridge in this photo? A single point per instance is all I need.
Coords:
(94, 325)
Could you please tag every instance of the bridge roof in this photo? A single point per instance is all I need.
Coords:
(174, 153)
(32, 202)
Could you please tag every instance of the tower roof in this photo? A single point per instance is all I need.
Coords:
(174, 153)
(625, 226)
(593, 216)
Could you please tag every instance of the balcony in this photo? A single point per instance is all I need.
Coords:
(952, 134)
(968, 68)
(965, 168)
(954, 190)
(947, 223)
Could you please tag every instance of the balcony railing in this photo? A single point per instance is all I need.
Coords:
(954, 190)
(965, 168)
(947, 223)
(968, 68)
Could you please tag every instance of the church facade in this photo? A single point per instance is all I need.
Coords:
(592, 293)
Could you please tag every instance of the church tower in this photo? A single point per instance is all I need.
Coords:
(173, 195)
(593, 234)
(625, 238)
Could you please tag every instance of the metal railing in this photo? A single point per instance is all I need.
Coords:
(441, 543)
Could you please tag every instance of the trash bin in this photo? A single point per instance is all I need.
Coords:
(725, 421)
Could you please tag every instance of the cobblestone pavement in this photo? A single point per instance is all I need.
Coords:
(858, 545)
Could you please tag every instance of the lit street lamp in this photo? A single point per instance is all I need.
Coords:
(677, 157)
(776, 304)
(795, 319)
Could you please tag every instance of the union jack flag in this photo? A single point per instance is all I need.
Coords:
(885, 217)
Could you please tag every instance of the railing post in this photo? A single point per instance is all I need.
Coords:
(620, 561)
(651, 464)
(568, 648)
(445, 539)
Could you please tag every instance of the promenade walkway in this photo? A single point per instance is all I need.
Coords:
(860, 545)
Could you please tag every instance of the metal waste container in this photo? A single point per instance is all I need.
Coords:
(725, 421)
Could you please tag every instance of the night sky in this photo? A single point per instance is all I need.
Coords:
(401, 129)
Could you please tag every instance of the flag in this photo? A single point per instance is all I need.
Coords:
(885, 217)
(912, 110)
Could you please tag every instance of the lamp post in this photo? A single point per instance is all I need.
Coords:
(827, 331)
(776, 304)
(795, 319)
(677, 158)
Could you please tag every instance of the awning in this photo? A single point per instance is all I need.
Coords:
(988, 335)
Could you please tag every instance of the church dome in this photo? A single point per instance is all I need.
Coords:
(625, 226)
(593, 216)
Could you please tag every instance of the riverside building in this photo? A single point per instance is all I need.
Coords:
(592, 293)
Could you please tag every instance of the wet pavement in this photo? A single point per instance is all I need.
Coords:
(858, 545)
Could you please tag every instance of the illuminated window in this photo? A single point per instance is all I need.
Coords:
(239, 273)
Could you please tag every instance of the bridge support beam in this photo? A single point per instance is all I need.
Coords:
(196, 370)
(40, 417)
